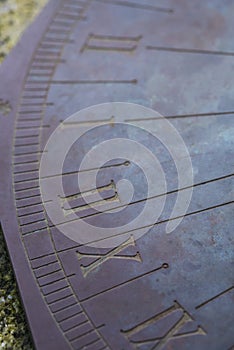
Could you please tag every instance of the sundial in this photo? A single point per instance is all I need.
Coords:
(117, 174)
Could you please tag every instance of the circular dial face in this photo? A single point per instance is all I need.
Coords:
(169, 286)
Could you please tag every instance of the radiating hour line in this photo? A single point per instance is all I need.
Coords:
(73, 82)
(214, 297)
(183, 50)
(192, 115)
(135, 5)
(151, 225)
(126, 163)
(163, 266)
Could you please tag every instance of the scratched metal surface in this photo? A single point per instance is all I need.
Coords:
(163, 291)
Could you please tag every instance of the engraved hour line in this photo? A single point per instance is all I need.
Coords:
(78, 11)
(42, 61)
(38, 275)
(27, 189)
(74, 313)
(163, 266)
(214, 297)
(45, 265)
(95, 342)
(37, 89)
(37, 104)
(112, 254)
(66, 306)
(210, 114)
(61, 23)
(42, 52)
(29, 112)
(50, 297)
(44, 257)
(26, 145)
(126, 163)
(167, 193)
(72, 18)
(59, 279)
(159, 342)
(74, 82)
(67, 329)
(110, 121)
(192, 51)
(135, 5)
(46, 46)
(42, 74)
(75, 326)
(111, 43)
(77, 82)
(80, 6)
(88, 193)
(51, 303)
(45, 67)
(86, 333)
(152, 225)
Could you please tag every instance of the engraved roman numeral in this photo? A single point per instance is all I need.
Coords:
(76, 202)
(158, 343)
(125, 44)
(112, 254)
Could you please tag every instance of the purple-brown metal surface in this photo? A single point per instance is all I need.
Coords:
(162, 291)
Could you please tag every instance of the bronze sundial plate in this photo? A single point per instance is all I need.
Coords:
(160, 289)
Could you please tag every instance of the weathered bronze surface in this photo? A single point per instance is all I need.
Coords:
(163, 291)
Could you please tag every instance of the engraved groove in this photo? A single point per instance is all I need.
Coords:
(74, 82)
(65, 307)
(209, 114)
(71, 315)
(163, 266)
(27, 189)
(192, 51)
(214, 297)
(56, 290)
(45, 264)
(127, 163)
(137, 5)
(60, 299)
(59, 295)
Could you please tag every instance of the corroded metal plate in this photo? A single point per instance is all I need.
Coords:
(163, 290)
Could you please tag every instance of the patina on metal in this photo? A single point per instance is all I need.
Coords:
(161, 291)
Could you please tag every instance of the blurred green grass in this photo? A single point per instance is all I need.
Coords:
(15, 16)
(14, 333)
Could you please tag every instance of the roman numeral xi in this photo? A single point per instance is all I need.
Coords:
(158, 342)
